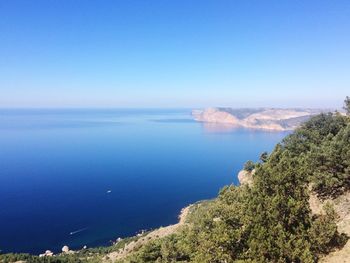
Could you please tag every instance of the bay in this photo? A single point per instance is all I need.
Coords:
(88, 176)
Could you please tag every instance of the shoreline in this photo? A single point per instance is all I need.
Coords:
(141, 238)
(137, 240)
(130, 242)
(154, 234)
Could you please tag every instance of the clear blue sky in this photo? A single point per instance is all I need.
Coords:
(179, 53)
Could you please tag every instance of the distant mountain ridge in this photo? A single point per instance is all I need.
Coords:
(277, 119)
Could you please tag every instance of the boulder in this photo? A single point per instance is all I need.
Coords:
(65, 249)
(48, 253)
(245, 177)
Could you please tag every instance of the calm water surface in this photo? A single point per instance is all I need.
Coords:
(104, 174)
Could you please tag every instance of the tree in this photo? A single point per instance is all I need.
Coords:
(249, 166)
(347, 105)
(264, 156)
(278, 214)
(324, 233)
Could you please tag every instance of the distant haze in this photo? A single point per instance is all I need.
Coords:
(174, 53)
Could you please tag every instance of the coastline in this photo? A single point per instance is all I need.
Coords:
(244, 177)
(122, 247)
(143, 239)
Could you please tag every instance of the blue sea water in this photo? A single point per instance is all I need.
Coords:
(104, 174)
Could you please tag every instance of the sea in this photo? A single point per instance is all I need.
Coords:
(84, 177)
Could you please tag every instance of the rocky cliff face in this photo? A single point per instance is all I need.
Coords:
(262, 118)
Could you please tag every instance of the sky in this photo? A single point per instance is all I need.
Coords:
(179, 53)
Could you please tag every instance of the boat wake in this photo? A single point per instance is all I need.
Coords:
(78, 231)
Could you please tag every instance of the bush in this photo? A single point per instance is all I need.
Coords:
(249, 166)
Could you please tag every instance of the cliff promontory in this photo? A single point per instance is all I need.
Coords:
(260, 118)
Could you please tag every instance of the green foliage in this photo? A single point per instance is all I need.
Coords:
(323, 146)
(249, 166)
(278, 212)
(347, 105)
(198, 210)
(264, 156)
(172, 248)
(314, 132)
(324, 232)
(329, 164)
(73, 258)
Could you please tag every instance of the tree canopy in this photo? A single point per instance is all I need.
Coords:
(347, 105)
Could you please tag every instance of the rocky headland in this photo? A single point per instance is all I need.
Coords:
(260, 118)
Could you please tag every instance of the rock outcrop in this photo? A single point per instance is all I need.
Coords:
(245, 177)
(65, 249)
(48, 253)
